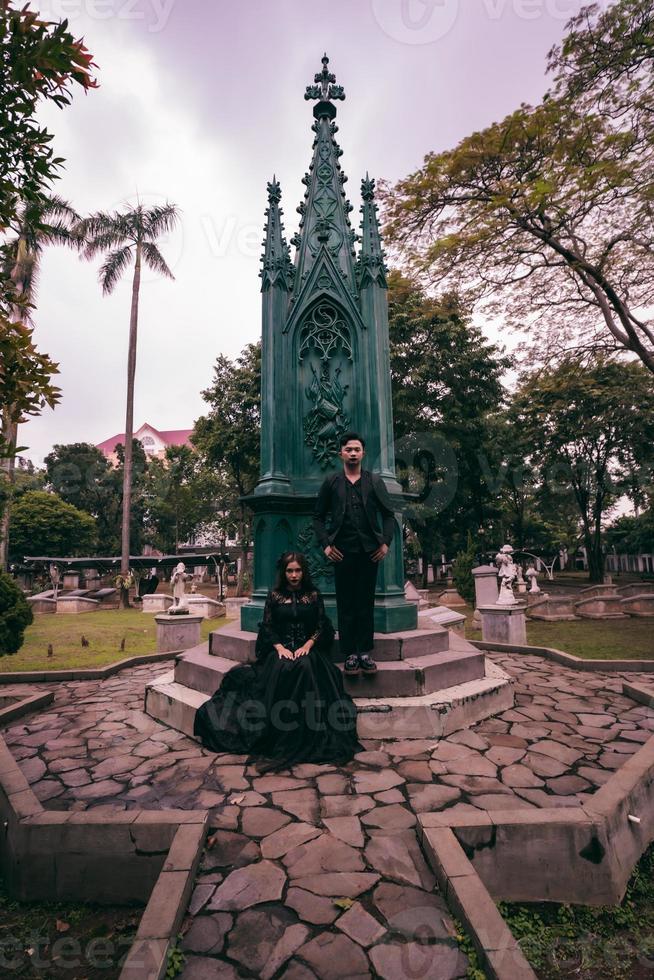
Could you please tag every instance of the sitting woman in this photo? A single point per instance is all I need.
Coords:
(289, 706)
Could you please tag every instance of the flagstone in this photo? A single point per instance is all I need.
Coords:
(409, 748)
(274, 784)
(504, 755)
(282, 841)
(201, 895)
(517, 775)
(529, 732)
(207, 933)
(333, 957)
(469, 738)
(229, 849)
(476, 784)
(568, 785)
(448, 751)
(393, 817)
(373, 757)
(263, 821)
(262, 882)
(396, 961)
(542, 765)
(106, 787)
(415, 772)
(347, 829)
(332, 784)
(472, 765)
(596, 719)
(325, 854)
(377, 782)
(427, 798)
(113, 766)
(207, 968)
(75, 777)
(399, 857)
(360, 926)
(316, 909)
(412, 911)
(611, 760)
(501, 801)
(231, 777)
(339, 884)
(389, 796)
(542, 799)
(47, 789)
(345, 806)
(256, 934)
(302, 803)
(297, 971)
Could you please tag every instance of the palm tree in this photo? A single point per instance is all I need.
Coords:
(46, 221)
(125, 237)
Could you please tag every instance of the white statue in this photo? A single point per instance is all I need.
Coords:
(507, 574)
(178, 582)
(522, 585)
(532, 575)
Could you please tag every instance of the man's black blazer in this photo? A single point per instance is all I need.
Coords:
(331, 501)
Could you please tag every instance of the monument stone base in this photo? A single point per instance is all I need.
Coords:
(504, 624)
(178, 632)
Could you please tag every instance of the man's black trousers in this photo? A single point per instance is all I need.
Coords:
(355, 579)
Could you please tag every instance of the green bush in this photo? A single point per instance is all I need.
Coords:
(15, 615)
(462, 572)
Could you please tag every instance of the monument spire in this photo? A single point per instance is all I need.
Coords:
(324, 214)
(371, 257)
(277, 268)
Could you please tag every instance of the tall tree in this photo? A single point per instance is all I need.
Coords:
(47, 221)
(228, 438)
(445, 383)
(546, 218)
(126, 237)
(40, 61)
(582, 424)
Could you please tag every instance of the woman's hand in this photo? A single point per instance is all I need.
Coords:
(303, 650)
(284, 653)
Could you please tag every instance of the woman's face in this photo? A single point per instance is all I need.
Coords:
(293, 574)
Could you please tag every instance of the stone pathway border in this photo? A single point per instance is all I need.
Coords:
(581, 855)
(639, 693)
(568, 659)
(24, 705)
(466, 895)
(84, 673)
(137, 855)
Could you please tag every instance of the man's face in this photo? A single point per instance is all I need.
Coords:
(352, 452)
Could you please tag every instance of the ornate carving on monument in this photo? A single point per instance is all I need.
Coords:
(325, 330)
(319, 565)
(325, 333)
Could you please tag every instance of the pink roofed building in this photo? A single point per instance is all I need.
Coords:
(154, 441)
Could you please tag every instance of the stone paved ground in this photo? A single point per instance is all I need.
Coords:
(287, 845)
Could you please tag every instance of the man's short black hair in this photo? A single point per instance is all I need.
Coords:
(350, 437)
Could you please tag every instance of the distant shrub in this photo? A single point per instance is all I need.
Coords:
(462, 572)
(15, 615)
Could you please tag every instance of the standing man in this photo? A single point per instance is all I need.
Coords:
(357, 503)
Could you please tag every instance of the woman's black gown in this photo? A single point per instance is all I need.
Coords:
(286, 711)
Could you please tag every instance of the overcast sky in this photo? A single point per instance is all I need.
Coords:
(200, 102)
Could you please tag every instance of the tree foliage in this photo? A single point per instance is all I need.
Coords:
(15, 615)
(546, 217)
(44, 524)
(585, 427)
(445, 383)
(182, 496)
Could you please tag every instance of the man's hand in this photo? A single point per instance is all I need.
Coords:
(284, 653)
(333, 553)
(303, 650)
(380, 554)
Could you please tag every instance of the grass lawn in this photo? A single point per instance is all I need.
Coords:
(593, 639)
(104, 630)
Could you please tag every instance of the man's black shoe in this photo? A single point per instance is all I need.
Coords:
(367, 664)
(351, 667)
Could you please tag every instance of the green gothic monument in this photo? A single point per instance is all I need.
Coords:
(325, 368)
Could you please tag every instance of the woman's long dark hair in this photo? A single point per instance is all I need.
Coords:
(281, 585)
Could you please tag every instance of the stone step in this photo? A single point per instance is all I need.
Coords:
(429, 716)
(202, 671)
(233, 643)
